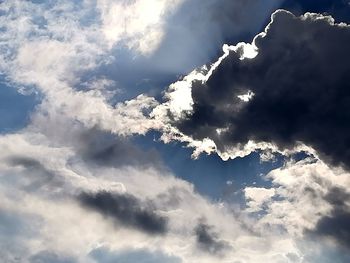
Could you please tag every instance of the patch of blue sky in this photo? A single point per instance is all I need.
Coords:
(132, 75)
(15, 108)
(87, 17)
(210, 175)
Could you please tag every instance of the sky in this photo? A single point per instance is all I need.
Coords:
(174, 131)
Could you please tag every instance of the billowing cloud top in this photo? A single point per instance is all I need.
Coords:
(292, 90)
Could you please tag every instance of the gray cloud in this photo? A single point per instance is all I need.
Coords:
(193, 36)
(300, 81)
(336, 225)
(105, 149)
(208, 240)
(126, 210)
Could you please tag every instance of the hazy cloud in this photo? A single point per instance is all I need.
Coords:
(35, 175)
(106, 149)
(49, 256)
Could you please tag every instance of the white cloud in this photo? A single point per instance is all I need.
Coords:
(138, 23)
(300, 189)
(257, 197)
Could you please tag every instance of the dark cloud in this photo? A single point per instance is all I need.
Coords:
(339, 9)
(300, 79)
(126, 210)
(105, 149)
(208, 240)
(337, 224)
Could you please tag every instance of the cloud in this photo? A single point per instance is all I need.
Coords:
(138, 24)
(16, 229)
(122, 208)
(308, 200)
(203, 26)
(125, 209)
(336, 224)
(57, 42)
(298, 85)
(257, 196)
(106, 149)
(37, 175)
(209, 241)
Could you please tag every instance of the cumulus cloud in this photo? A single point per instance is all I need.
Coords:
(297, 82)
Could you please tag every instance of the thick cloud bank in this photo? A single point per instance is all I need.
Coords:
(295, 90)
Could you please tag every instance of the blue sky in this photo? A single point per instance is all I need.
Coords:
(15, 107)
(174, 131)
